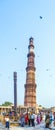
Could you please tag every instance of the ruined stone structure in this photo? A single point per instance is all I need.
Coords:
(30, 86)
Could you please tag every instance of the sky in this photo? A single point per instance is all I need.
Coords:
(19, 20)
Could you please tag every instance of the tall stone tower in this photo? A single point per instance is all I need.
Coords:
(30, 86)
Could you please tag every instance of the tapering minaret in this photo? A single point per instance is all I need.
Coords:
(30, 86)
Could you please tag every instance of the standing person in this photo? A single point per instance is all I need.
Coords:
(32, 119)
(54, 118)
(26, 118)
(47, 120)
(22, 120)
(29, 119)
(38, 118)
(7, 121)
(50, 117)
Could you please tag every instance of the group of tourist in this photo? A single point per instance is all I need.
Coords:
(32, 119)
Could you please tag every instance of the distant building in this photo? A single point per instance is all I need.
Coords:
(5, 109)
(52, 109)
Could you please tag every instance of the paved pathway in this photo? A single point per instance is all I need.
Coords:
(37, 127)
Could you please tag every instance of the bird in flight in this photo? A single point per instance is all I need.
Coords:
(41, 17)
(15, 48)
(47, 69)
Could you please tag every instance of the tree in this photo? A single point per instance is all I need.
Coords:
(6, 103)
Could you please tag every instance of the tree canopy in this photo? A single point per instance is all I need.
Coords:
(7, 103)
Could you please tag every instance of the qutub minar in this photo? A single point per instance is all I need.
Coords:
(30, 86)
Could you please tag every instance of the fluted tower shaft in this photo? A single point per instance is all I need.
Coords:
(30, 86)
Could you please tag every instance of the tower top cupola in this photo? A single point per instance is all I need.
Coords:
(31, 39)
(31, 44)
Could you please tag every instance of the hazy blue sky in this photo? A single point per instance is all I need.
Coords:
(19, 20)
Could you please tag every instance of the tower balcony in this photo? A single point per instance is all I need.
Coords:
(31, 54)
(30, 68)
(30, 85)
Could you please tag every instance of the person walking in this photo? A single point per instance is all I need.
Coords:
(7, 123)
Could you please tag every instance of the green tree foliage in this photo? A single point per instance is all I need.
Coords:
(40, 105)
(6, 103)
